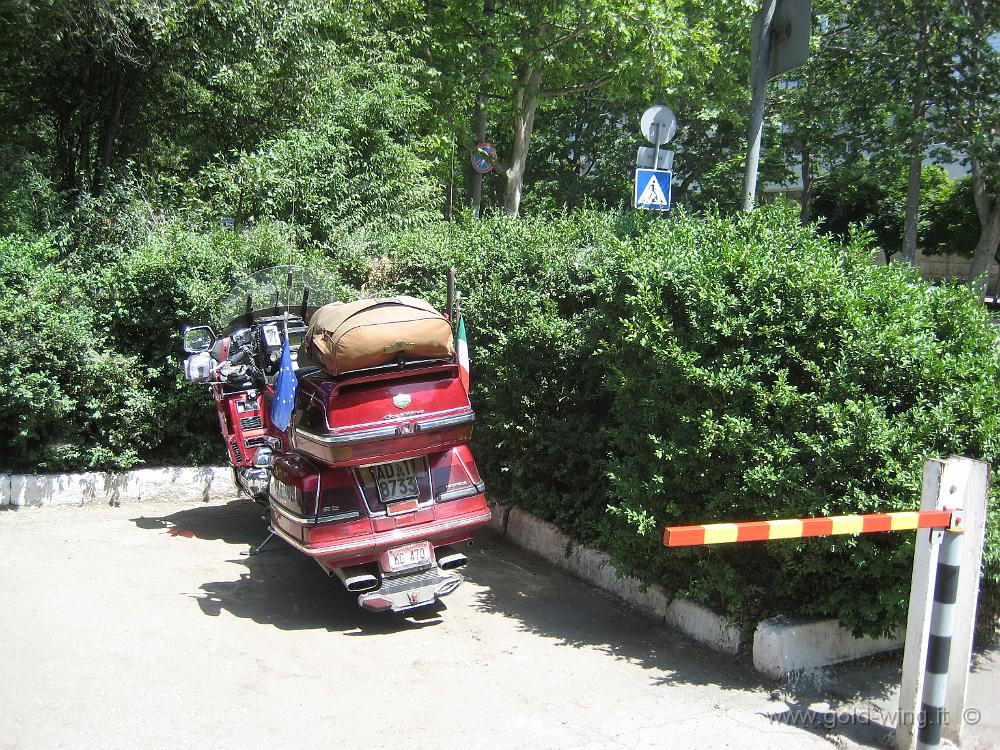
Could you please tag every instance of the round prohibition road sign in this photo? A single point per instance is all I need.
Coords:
(483, 158)
(658, 124)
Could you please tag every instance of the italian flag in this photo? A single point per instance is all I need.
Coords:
(462, 347)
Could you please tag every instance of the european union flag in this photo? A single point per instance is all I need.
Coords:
(284, 391)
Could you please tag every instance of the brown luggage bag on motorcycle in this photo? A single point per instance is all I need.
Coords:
(347, 336)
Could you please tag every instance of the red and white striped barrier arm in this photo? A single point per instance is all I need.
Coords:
(796, 528)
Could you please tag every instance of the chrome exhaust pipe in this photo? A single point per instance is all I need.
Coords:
(357, 579)
(448, 558)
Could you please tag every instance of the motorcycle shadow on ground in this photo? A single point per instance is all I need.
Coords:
(280, 587)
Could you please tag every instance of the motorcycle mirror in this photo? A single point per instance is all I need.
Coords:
(197, 338)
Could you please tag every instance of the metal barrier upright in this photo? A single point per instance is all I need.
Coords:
(939, 629)
(932, 708)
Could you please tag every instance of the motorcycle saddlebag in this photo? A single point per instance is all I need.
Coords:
(347, 336)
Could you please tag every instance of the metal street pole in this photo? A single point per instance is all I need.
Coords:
(758, 79)
(933, 714)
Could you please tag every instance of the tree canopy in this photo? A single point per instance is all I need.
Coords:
(335, 115)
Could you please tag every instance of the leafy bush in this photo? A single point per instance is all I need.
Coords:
(859, 193)
(762, 372)
(953, 224)
(91, 337)
(628, 372)
(699, 369)
(535, 317)
(344, 169)
(67, 400)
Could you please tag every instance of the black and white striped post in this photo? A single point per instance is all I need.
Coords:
(932, 709)
(938, 635)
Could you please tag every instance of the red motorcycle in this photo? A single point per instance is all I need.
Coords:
(372, 476)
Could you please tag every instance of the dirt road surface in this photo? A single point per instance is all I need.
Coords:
(147, 626)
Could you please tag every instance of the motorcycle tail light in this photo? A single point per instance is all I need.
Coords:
(339, 504)
(294, 484)
(327, 533)
(376, 603)
(454, 475)
(340, 513)
(287, 495)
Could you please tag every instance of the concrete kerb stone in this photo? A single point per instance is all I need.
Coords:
(36, 490)
(782, 645)
(114, 488)
(547, 541)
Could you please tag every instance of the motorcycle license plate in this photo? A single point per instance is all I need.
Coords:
(396, 480)
(409, 556)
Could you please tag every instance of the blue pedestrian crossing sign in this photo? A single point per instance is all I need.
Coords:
(652, 189)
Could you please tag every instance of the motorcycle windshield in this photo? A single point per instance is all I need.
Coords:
(269, 291)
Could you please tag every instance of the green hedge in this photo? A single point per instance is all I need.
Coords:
(91, 340)
(761, 372)
(631, 373)
(628, 372)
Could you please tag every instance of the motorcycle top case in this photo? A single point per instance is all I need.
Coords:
(382, 417)
(348, 336)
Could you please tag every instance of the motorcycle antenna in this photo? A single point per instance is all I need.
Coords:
(288, 294)
(451, 295)
(288, 278)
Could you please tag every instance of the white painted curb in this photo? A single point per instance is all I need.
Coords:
(547, 541)
(114, 488)
(782, 645)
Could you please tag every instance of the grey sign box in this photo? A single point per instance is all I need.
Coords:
(790, 31)
(646, 159)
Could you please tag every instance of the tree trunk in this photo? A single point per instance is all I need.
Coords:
(986, 249)
(475, 178)
(105, 149)
(989, 233)
(916, 149)
(996, 289)
(525, 105)
(912, 201)
(449, 198)
(83, 156)
(805, 199)
(64, 153)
